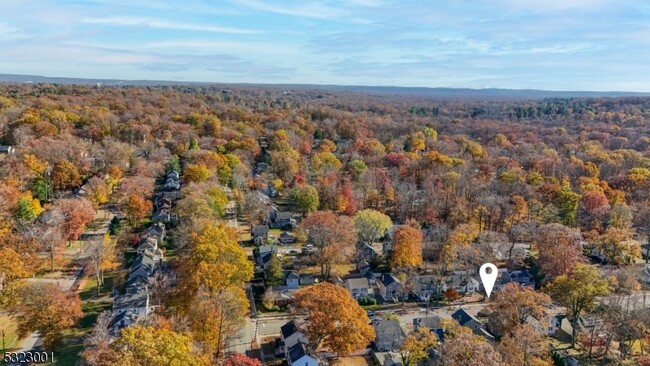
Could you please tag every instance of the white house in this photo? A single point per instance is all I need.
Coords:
(290, 336)
(357, 286)
(299, 356)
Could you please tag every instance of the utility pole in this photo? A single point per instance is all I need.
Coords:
(3, 341)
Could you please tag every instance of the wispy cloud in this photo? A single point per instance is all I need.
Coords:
(165, 24)
(303, 9)
(9, 33)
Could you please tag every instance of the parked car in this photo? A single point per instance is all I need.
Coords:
(370, 313)
(293, 251)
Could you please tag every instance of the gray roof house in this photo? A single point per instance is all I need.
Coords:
(298, 355)
(468, 320)
(389, 335)
(260, 233)
(136, 302)
(357, 286)
(290, 335)
(264, 254)
(390, 288)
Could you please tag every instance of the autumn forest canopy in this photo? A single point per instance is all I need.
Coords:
(445, 178)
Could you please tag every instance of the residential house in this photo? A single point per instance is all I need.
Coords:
(357, 286)
(271, 192)
(290, 335)
(6, 149)
(298, 355)
(390, 288)
(286, 238)
(122, 320)
(173, 175)
(547, 326)
(144, 265)
(260, 234)
(308, 280)
(148, 243)
(291, 279)
(163, 201)
(522, 277)
(368, 253)
(433, 323)
(162, 215)
(137, 302)
(388, 358)
(156, 231)
(425, 286)
(463, 283)
(263, 255)
(468, 320)
(389, 335)
(284, 296)
(281, 220)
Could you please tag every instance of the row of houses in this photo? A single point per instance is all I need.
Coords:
(387, 287)
(295, 346)
(135, 304)
(164, 199)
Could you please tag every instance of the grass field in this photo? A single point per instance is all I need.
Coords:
(8, 326)
(68, 354)
(88, 288)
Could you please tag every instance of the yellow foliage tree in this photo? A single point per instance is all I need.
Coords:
(144, 346)
(336, 321)
(417, 345)
(407, 248)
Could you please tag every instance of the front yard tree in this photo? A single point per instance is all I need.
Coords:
(274, 274)
(334, 236)
(559, 249)
(12, 269)
(137, 208)
(48, 309)
(513, 306)
(618, 246)
(371, 225)
(238, 359)
(140, 346)
(463, 348)
(525, 347)
(335, 320)
(407, 247)
(578, 292)
(102, 255)
(305, 198)
(417, 345)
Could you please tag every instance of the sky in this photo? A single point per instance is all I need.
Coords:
(598, 45)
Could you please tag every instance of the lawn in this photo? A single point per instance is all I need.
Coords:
(8, 326)
(88, 288)
(69, 353)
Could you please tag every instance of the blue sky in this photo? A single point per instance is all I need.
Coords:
(537, 44)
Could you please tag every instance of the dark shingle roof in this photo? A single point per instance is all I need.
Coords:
(387, 279)
(288, 329)
(463, 317)
(260, 230)
(131, 300)
(296, 352)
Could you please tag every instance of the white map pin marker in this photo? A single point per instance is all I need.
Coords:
(488, 279)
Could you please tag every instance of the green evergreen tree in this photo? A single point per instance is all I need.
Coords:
(274, 274)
